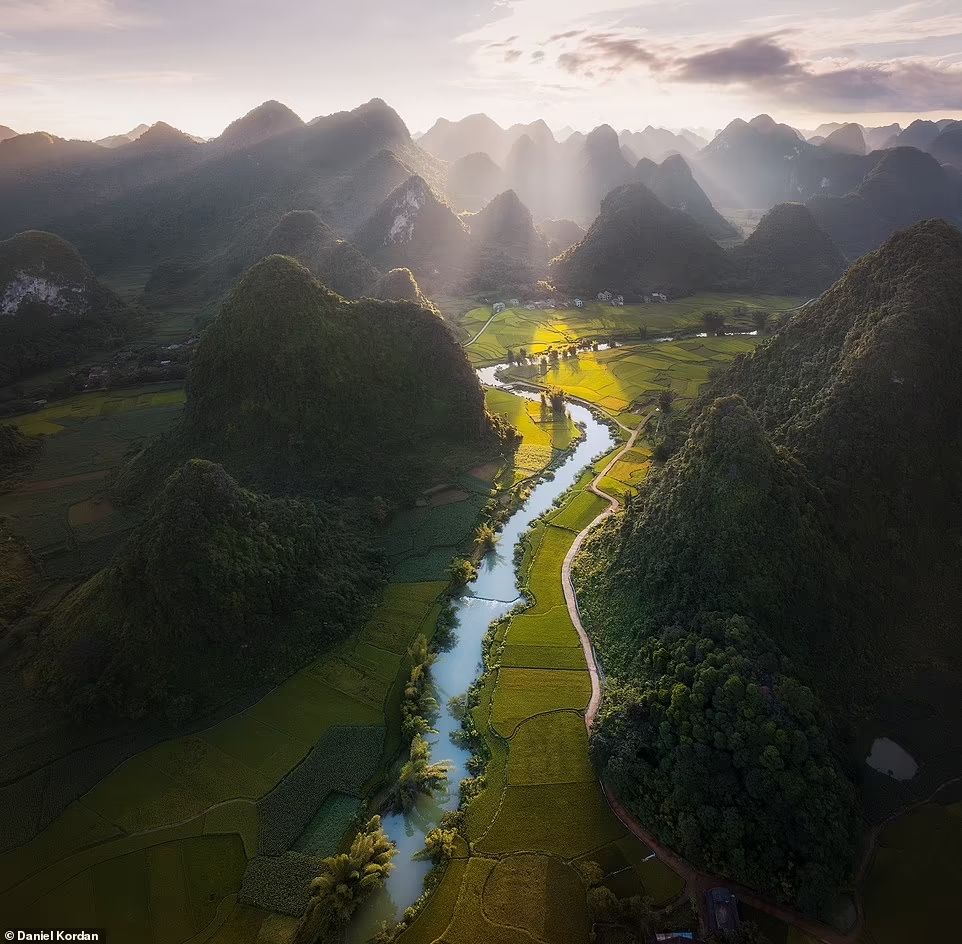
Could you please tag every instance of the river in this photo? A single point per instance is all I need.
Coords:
(488, 598)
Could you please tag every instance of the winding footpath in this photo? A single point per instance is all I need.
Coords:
(696, 882)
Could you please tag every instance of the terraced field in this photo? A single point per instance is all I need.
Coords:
(516, 328)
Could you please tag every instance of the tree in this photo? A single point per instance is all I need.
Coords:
(760, 319)
(666, 400)
(557, 398)
(462, 571)
(510, 356)
(419, 776)
(714, 321)
(439, 845)
(486, 537)
(344, 882)
(623, 920)
(522, 356)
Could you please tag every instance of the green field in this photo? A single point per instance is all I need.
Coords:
(516, 328)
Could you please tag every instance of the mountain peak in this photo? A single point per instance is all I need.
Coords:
(264, 121)
(763, 123)
(161, 135)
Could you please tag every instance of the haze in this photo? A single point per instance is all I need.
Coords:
(89, 68)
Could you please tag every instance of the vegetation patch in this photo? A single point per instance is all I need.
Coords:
(562, 819)
(911, 887)
(343, 761)
(522, 693)
(537, 330)
(538, 894)
(550, 748)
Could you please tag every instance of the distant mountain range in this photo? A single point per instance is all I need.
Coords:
(197, 214)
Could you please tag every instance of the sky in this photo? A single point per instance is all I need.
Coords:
(89, 68)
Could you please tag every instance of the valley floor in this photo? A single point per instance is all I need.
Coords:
(157, 850)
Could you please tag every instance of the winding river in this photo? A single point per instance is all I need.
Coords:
(488, 598)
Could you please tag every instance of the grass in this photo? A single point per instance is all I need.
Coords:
(578, 513)
(911, 889)
(544, 434)
(59, 506)
(627, 474)
(86, 406)
(536, 331)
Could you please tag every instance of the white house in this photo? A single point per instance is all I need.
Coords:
(579, 303)
(618, 300)
(604, 296)
(659, 297)
(515, 302)
(498, 308)
(530, 306)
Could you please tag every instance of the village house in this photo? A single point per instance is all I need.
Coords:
(604, 296)
(515, 302)
(498, 308)
(659, 297)
(618, 300)
(579, 303)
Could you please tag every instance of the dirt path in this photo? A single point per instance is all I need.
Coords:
(696, 882)
(484, 328)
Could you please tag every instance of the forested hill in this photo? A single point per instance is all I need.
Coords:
(217, 589)
(812, 515)
(295, 391)
(293, 387)
(707, 733)
(52, 307)
(637, 245)
(788, 254)
(865, 387)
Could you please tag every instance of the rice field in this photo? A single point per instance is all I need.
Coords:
(537, 330)
(626, 378)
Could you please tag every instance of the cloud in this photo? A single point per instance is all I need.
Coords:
(568, 34)
(537, 55)
(764, 63)
(901, 85)
(34, 16)
(748, 60)
(512, 55)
